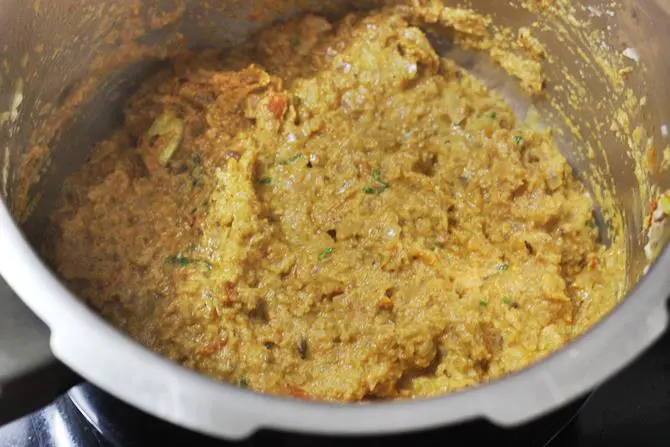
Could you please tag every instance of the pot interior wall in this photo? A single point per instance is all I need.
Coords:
(52, 51)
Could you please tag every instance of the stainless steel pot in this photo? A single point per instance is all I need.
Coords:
(48, 50)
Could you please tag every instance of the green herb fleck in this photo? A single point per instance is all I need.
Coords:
(591, 224)
(507, 300)
(502, 267)
(194, 210)
(483, 303)
(243, 383)
(178, 260)
(378, 186)
(518, 139)
(295, 41)
(327, 252)
(303, 348)
(264, 181)
(291, 160)
(494, 115)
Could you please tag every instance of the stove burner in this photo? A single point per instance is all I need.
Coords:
(124, 426)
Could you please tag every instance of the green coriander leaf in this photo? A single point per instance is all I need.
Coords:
(591, 224)
(264, 181)
(483, 303)
(327, 252)
(243, 383)
(290, 160)
(502, 267)
(518, 139)
(178, 260)
(494, 115)
(378, 186)
(371, 190)
(507, 300)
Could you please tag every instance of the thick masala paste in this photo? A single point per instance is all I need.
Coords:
(332, 211)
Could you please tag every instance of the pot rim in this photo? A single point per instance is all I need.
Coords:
(114, 362)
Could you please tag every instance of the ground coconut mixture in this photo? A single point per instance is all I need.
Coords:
(334, 212)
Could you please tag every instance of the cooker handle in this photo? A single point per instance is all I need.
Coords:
(30, 376)
(587, 362)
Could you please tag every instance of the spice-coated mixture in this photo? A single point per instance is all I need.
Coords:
(332, 211)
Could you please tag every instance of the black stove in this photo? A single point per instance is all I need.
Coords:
(632, 409)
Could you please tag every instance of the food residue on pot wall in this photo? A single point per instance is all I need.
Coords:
(658, 228)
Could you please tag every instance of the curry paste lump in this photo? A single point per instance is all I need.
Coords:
(332, 211)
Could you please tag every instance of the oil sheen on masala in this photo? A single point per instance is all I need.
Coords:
(332, 211)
